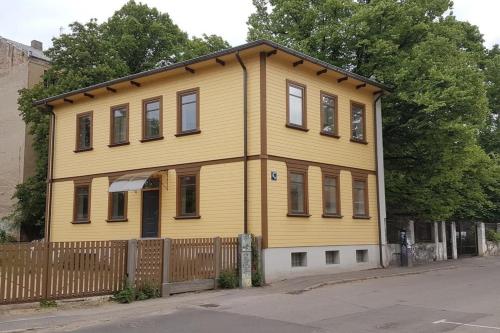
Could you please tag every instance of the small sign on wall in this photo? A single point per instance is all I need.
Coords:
(274, 175)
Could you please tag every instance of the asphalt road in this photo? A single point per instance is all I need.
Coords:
(463, 299)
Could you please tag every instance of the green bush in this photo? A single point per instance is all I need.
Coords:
(126, 295)
(5, 237)
(492, 236)
(228, 279)
(256, 278)
(46, 303)
(129, 294)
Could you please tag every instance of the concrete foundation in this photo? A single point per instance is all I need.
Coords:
(278, 261)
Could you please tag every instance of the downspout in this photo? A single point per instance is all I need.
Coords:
(50, 172)
(245, 144)
(379, 166)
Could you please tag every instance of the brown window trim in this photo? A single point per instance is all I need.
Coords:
(363, 178)
(304, 106)
(181, 172)
(77, 145)
(363, 106)
(334, 173)
(303, 169)
(335, 115)
(112, 142)
(179, 112)
(110, 202)
(144, 102)
(76, 184)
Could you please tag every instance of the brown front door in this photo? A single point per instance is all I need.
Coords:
(150, 225)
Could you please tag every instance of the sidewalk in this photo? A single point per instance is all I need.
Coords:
(19, 318)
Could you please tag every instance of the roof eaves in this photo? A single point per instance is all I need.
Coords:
(211, 56)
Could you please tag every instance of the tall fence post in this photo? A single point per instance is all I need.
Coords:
(165, 287)
(217, 260)
(444, 244)
(245, 260)
(481, 239)
(453, 235)
(131, 261)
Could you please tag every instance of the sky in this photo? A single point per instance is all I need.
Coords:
(24, 20)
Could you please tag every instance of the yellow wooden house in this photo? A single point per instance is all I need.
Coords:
(257, 139)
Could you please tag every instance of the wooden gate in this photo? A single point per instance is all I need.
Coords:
(149, 267)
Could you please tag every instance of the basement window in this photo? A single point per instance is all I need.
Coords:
(332, 257)
(299, 259)
(361, 256)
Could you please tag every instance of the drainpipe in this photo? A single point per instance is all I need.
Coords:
(245, 144)
(379, 157)
(50, 172)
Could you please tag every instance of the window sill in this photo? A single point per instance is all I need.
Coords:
(361, 217)
(152, 139)
(297, 127)
(116, 220)
(332, 135)
(80, 222)
(332, 216)
(298, 215)
(82, 150)
(194, 217)
(188, 133)
(118, 144)
(359, 141)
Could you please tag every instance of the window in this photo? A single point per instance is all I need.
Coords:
(188, 112)
(360, 196)
(117, 206)
(361, 256)
(297, 190)
(299, 259)
(331, 193)
(329, 120)
(81, 205)
(119, 125)
(332, 257)
(152, 127)
(188, 193)
(83, 132)
(358, 122)
(296, 105)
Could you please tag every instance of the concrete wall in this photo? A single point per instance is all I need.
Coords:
(277, 261)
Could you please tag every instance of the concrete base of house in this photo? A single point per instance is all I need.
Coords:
(277, 262)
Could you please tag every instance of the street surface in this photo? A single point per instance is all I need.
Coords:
(459, 296)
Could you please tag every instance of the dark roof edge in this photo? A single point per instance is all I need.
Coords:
(211, 56)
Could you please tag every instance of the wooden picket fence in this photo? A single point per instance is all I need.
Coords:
(32, 272)
(36, 271)
(202, 258)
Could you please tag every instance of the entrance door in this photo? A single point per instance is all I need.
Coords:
(466, 239)
(150, 213)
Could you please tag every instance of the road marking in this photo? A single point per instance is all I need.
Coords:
(444, 321)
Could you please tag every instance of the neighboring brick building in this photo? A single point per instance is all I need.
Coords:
(21, 66)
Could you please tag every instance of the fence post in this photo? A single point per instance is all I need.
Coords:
(443, 236)
(245, 260)
(165, 288)
(131, 261)
(481, 239)
(453, 235)
(217, 259)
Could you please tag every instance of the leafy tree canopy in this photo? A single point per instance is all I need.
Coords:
(441, 123)
(134, 39)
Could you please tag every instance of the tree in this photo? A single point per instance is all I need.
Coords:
(134, 39)
(439, 103)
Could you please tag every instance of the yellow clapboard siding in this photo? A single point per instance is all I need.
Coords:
(299, 231)
(221, 204)
(312, 146)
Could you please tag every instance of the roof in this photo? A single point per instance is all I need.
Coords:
(183, 64)
(31, 51)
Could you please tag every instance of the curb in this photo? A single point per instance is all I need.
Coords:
(373, 277)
